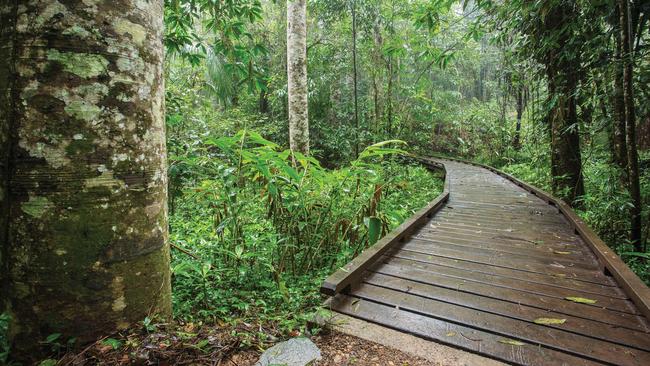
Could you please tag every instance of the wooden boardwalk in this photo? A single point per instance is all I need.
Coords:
(493, 271)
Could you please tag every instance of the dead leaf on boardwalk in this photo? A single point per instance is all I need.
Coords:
(511, 342)
(451, 334)
(580, 300)
(549, 321)
(561, 275)
(561, 252)
(556, 264)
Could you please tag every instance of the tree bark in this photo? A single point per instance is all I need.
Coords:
(520, 111)
(630, 124)
(566, 160)
(618, 130)
(297, 75)
(83, 195)
(354, 70)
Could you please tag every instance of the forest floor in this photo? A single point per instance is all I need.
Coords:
(190, 345)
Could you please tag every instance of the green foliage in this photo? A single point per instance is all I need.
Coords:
(268, 225)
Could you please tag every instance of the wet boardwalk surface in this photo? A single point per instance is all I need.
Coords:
(499, 272)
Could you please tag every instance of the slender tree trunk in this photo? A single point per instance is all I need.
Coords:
(83, 195)
(630, 124)
(376, 76)
(389, 98)
(618, 130)
(297, 75)
(263, 102)
(520, 111)
(354, 67)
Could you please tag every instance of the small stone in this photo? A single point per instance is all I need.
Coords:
(294, 352)
(338, 359)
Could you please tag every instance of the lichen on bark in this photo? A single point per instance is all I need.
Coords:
(297, 75)
(83, 215)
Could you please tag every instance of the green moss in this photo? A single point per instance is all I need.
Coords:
(83, 110)
(85, 65)
(36, 206)
(76, 31)
(81, 146)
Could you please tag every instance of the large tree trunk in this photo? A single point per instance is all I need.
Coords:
(566, 160)
(297, 75)
(630, 125)
(83, 196)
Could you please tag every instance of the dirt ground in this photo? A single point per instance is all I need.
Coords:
(338, 349)
(218, 347)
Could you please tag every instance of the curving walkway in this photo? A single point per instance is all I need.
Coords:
(491, 273)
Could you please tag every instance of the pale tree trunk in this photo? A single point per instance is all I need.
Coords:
(83, 195)
(297, 75)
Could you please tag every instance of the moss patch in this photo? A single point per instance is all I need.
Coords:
(85, 65)
(36, 206)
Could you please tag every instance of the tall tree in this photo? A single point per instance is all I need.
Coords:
(619, 147)
(297, 75)
(630, 122)
(354, 71)
(520, 110)
(560, 62)
(83, 164)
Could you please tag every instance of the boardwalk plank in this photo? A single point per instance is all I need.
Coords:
(563, 282)
(589, 328)
(541, 301)
(454, 334)
(507, 327)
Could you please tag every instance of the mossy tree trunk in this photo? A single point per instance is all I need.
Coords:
(83, 191)
(560, 62)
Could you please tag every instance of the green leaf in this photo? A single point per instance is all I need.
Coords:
(580, 300)
(549, 321)
(48, 362)
(374, 229)
(114, 343)
(52, 337)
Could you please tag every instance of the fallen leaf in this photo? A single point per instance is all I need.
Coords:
(560, 252)
(548, 321)
(580, 300)
(562, 275)
(511, 342)
(451, 334)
